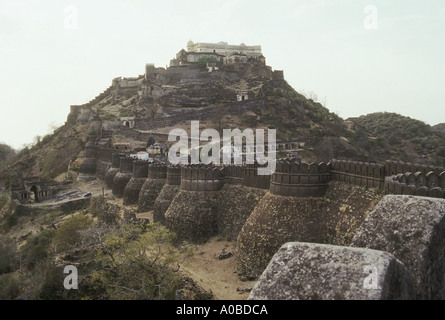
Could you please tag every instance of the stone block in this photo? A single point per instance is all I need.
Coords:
(413, 230)
(309, 271)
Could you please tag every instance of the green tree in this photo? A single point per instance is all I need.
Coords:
(8, 256)
(68, 234)
(37, 249)
(9, 287)
(139, 262)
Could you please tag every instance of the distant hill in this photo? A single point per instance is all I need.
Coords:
(402, 138)
(439, 127)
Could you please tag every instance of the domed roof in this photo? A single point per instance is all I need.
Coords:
(190, 43)
(242, 44)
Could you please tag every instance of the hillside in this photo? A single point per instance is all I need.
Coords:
(6, 154)
(439, 127)
(47, 158)
(172, 98)
(321, 134)
(398, 137)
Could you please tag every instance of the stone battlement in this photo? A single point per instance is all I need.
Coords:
(140, 169)
(202, 178)
(234, 174)
(157, 171)
(174, 175)
(374, 174)
(295, 179)
(126, 164)
(358, 173)
(418, 183)
(252, 179)
(395, 167)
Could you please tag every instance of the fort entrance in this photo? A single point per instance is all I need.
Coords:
(34, 195)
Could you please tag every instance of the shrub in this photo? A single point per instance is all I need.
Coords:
(7, 257)
(3, 200)
(10, 220)
(37, 248)
(68, 234)
(441, 152)
(140, 262)
(9, 287)
(52, 286)
(105, 212)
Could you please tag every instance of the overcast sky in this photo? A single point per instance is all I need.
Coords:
(327, 47)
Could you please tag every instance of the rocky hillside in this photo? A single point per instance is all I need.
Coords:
(48, 157)
(159, 104)
(397, 137)
(439, 127)
(6, 154)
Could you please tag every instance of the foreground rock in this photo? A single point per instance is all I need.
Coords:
(413, 230)
(308, 271)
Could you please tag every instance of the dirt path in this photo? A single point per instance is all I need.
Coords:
(217, 275)
(211, 273)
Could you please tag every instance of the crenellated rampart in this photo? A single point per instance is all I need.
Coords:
(295, 179)
(134, 185)
(202, 178)
(157, 176)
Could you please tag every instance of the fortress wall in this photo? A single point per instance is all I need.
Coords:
(396, 167)
(274, 221)
(174, 175)
(252, 179)
(300, 180)
(167, 194)
(114, 169)
(163, 202)
(134, 186)
(418, 184)
(192, 214)
(105, 154)
(82, 113)
(359, 173)
(202, 178)
(234, 174)
(104, 158)
(124, 175)
(372, 174)
(236, 203)
(87, 168)
(157, 176)
(180, 74)
(333, 218)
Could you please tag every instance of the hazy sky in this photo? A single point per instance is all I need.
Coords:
(322, 46)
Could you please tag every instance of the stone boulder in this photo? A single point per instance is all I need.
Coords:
(413, 230)
(309, 271)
